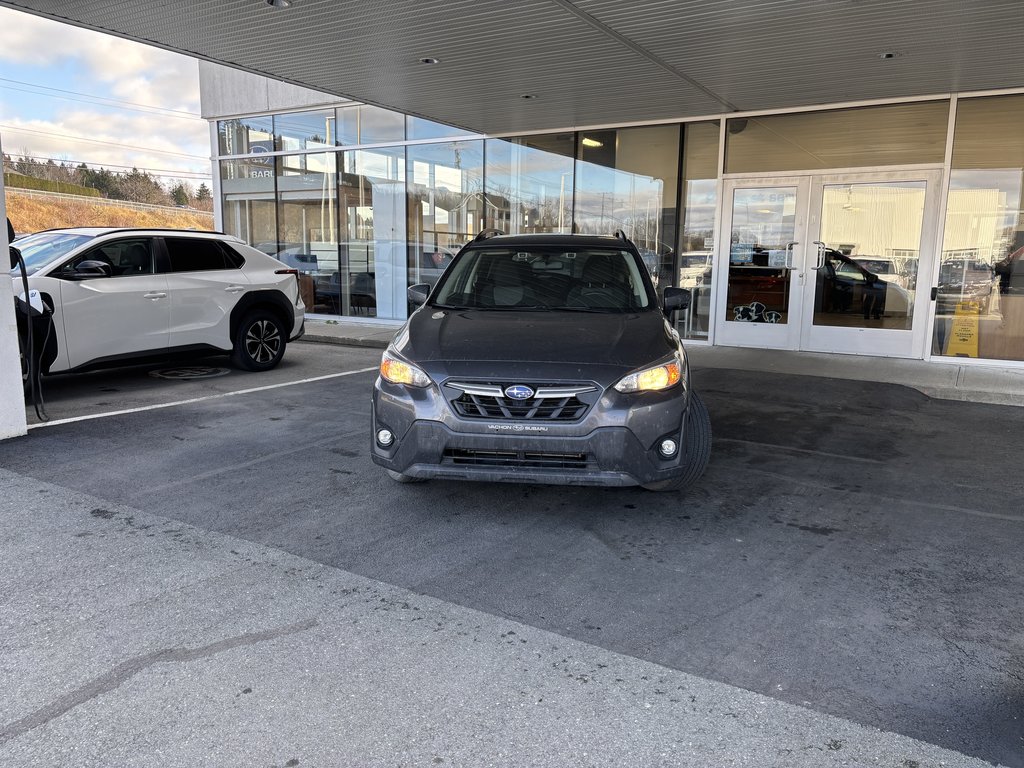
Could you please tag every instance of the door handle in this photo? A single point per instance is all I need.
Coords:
(156, 295)
(234, 288)
(789, 260)
(821, 254)
(789, 253)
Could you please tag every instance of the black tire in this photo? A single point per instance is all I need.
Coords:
(260, 340)
(398, 477)
(698, 448)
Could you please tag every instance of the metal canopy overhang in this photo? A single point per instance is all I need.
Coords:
(586, 62)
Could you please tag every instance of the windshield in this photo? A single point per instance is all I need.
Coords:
(586, 279)
(44, 248)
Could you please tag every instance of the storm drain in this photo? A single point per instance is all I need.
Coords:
(189, 373)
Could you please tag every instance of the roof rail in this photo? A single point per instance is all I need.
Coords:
(487, 233)
(620, 235)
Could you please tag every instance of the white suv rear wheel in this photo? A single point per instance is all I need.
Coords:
(259, 341)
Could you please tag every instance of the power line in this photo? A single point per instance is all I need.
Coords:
(102, 104)
(163, 172)
(97, 141)
(105, 98)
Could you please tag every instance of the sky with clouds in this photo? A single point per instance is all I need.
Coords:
(75, 95)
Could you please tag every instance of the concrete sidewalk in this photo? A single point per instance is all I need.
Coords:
(129, 639)
(936, 378)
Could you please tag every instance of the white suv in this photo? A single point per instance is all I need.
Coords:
(123, 295)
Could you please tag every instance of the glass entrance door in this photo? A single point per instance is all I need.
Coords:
(759, 301)
(875, 235)
(828, 263)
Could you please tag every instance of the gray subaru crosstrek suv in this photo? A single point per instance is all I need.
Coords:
(541, 359)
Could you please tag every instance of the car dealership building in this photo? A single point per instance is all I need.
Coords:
(892, 228)
(829, 176)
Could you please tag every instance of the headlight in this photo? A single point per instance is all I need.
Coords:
(397, 371)
(652, 379)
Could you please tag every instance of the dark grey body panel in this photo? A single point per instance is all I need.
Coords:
(622, 342)
(619, 432)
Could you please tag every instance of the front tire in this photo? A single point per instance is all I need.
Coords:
(698, 449)
(260, 340)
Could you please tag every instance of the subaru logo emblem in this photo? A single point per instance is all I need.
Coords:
(519, 392)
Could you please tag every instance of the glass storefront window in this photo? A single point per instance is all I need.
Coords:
(901, 134)
(529, 184)
(418, 128)
(980, 294)
(307, 221)
(250, 202)
(372, 252)
(626, 180)
(246, 135)
(697, 240)
(446, 204)
(364, 124)
(304, 130)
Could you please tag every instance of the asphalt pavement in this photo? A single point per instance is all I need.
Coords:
(229, 580)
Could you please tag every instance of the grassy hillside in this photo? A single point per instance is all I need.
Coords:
(31, 214)
(20, 181)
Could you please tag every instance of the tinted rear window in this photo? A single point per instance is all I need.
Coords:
(189, 254)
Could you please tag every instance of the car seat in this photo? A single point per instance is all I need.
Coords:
(604, 283)
(506, 285)
(136, 260)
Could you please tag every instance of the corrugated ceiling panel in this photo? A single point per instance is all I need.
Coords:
(588, 61)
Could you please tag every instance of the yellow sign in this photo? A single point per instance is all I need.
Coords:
(963, 334)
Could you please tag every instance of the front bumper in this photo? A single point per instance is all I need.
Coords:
(615, 444)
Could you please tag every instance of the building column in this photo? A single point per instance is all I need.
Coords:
(12, 394)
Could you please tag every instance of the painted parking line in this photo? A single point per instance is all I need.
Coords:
(218, 396)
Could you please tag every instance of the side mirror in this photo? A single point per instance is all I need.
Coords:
(418, 293)
(15, 257)
(676, 298)
(88, 269)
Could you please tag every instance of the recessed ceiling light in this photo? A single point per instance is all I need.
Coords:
(528, 96)
(429, 60)
(890, 55)
(589, 142)
(280, 3)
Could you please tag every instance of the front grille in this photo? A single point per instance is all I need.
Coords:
(552, 402)
(533, 459)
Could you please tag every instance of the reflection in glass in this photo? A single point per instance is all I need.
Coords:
(980, 295)
(763, 224)
(418, 128)
(697, 241)
(371, 243)
(866, 275)
(307, 221)
(364, 124)
(626, 180)
(530, 184)
(249, 201)
(846, 138)
(446, 204)
(304, 130)
(246, 135)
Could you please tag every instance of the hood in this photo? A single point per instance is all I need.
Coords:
(582, 338)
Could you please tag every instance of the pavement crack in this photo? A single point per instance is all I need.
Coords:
(125, 671)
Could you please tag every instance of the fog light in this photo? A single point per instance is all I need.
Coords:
(667, 448)
(385, 438)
